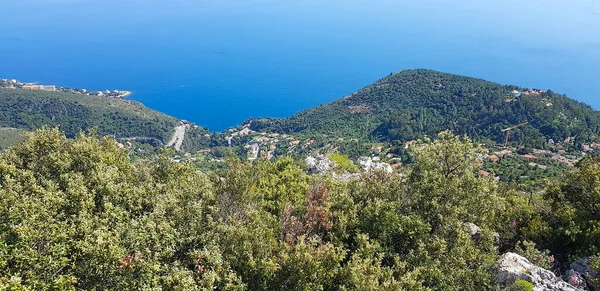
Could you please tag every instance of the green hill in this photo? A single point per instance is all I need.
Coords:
(414, 103)
(30, 109)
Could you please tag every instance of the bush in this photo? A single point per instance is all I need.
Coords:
(343, 163)
(542, 259)
(520, 285)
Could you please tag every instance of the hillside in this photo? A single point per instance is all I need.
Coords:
(79, 214)
(32, 109)
(414, 103)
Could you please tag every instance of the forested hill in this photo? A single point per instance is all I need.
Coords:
(31, 109)
(413, 103)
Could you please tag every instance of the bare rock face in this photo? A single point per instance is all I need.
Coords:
(321, 164)
(368, 164)
(512, 267)
(310, 162)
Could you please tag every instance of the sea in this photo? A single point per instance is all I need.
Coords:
(219, 62)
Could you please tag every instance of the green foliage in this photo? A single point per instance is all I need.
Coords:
(515, 168)
(32, 109)
(413, 104)
(76, 213)
(595, 265)
(79, 214)
(576, 216)
(196, 138)
(520, 285)
(343, 163)
(444, 171)
(367, 270)
(539, 258)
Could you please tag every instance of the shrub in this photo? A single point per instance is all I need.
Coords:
(522, 285)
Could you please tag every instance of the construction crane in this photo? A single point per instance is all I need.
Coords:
(507, 130)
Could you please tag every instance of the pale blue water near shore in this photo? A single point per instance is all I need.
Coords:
(218, 62)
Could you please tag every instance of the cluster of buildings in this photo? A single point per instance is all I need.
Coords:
(12, 83)
(15, 84)
(517, 93)
(267, 142)
(254, 147)
(560, 156)
(49, 88)
(106, 93)
(591, 147)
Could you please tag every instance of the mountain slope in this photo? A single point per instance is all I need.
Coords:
(414, 103)
(31, 109)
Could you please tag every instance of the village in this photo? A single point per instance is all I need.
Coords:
(16, 84)
(496, 161)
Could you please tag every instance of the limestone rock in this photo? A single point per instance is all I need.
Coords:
(512, 267)
(368, 164)
(320, 164)
(310, 162)
(365, 163)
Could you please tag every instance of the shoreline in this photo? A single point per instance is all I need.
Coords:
(16, 84)
(124, 94)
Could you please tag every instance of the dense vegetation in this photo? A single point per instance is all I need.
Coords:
(78, 214)
(414, 103)
(9, 136)
(31, 109)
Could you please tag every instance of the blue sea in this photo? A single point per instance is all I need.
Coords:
(219, 62)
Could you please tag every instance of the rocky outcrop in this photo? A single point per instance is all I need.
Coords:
(512, 267)
(368, 164)
(320, 165)
(581, 269)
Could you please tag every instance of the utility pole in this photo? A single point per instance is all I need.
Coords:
(507, 130)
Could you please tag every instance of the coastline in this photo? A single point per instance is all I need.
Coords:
(16, 84)
(124, 94)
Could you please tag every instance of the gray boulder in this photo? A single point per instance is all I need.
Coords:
(512, 267)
